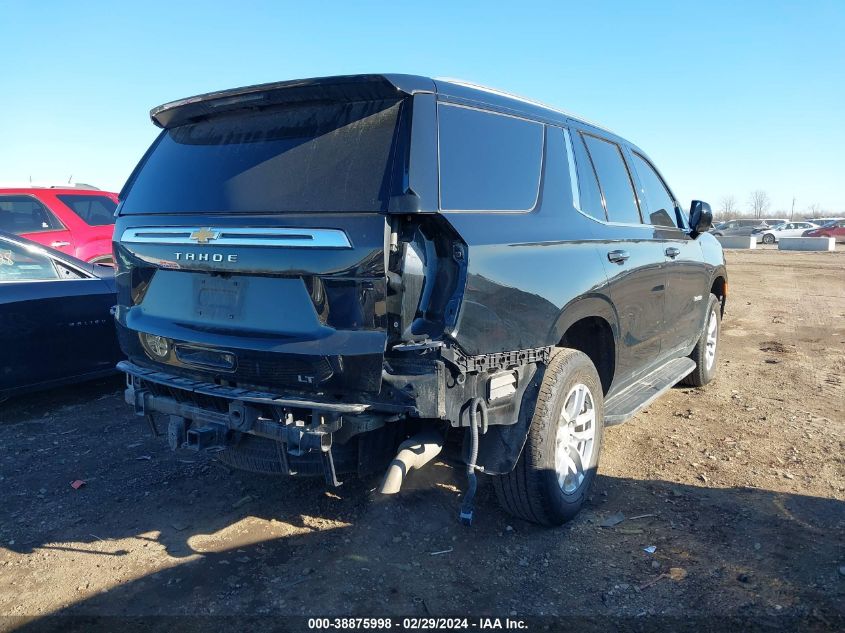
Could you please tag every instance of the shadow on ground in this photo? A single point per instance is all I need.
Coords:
(157, 533)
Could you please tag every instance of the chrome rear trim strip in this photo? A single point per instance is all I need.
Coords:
(229, 236)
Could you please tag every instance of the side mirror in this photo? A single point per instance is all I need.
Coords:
(700, 216)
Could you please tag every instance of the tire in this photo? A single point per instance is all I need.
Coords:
(768, 238)
(264, 456)
(717, 235)
(705, 366)
(532, 491)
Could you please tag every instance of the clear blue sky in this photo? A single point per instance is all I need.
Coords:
(726, 97)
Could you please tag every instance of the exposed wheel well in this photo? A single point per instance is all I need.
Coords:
(719, 288)
(594, 337)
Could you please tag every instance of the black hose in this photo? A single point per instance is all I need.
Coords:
(475, 405)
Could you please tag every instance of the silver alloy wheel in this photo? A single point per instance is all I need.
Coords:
(576, 434)
(712, 340)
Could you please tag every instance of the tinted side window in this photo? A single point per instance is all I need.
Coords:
(20, 264)
(614, 180)
(25, 214)
(94, 210)
(488, 162)
(661, 206)
(591, 203)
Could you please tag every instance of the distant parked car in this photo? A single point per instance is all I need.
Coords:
(832, 229)
(822, 221)
(55, 321)
(773, 221)
(770, 235)
(736, 228)
(79, 222)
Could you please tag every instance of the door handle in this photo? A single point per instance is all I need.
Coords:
(59, 244)
(672, 252)
(618, 257)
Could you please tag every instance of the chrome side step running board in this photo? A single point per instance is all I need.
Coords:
(627, 403)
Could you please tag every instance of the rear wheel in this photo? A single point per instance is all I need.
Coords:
(551, 480)
(706, 350)
(768, 238)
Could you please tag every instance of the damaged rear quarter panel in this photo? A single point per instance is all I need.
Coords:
(524, 268)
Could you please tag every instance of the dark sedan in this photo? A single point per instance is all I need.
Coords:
(55, 321)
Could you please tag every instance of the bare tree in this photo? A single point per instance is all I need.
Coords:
(813, 211)
(759, 202)
(729, 208)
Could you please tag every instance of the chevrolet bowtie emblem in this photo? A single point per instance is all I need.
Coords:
(204, 236)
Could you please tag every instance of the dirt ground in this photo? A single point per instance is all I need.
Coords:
(740, 486)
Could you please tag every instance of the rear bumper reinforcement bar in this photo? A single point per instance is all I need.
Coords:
(252, 396)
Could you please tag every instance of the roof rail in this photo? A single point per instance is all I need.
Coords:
(510, 95)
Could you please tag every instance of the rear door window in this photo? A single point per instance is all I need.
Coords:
(488, 161)
(18, 263)
(319, 157)
(25, 214)
(661, 206)
(614, 180)
(93, 210)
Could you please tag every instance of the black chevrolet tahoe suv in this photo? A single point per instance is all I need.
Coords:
(343, 275)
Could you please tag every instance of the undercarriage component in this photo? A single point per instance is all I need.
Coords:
(414, 453)
(200, 422)
(476, 411)
(501, 385)
(500, 360)
(177, 431)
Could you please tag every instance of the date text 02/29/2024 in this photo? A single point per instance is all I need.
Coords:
(416, 624)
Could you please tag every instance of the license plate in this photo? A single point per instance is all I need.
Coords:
(218, 298)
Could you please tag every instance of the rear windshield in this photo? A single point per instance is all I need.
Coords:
(94, 210)
(307, 158)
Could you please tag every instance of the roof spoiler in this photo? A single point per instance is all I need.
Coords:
(340, 88)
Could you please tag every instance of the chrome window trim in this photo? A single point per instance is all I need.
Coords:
(606, 222)
(239, 236)
(573, 175)
(627, 171)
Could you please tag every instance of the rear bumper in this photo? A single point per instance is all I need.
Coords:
(208, 416)
(137, 377)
